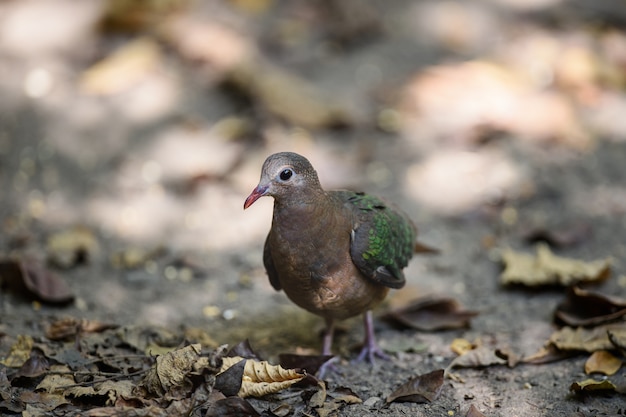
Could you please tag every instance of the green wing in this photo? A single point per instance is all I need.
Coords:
(383, 239)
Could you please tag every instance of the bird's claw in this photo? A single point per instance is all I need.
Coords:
(371, 353)
(328, 366)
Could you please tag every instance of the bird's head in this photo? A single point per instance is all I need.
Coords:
(285, 175)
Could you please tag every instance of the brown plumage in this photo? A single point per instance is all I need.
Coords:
(335, 253)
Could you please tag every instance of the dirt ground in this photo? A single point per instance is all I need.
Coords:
(484, 120)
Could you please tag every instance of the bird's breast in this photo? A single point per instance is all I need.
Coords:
(316, 271)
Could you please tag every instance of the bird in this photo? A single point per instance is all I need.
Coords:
(335, 254)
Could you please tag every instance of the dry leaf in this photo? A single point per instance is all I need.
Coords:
(589, 340)
(421, 389)
(602, 362)
(122, 69)
(36, 365)
(548, 354)
(564, 236)
(19, 353)
(232, 407)
(475, 358)
(287, 95)
(461, 346)
(310, 363)
(590, 385)
(71, 247)
(474, 412)
(60, 376)
(131, 15)
(587, 308)
(432, 313)
(548, 269)
(27, 276)
(172, 370)
(71, 327)
(260, 378)
(135, 257)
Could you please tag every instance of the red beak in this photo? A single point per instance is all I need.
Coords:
(257, 193)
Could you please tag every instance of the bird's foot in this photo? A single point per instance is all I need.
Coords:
(330, 366)
(370, 353)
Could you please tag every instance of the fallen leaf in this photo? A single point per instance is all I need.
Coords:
(591, 385)
(563, 236)
(474, 412)
(476, 358)
(229, 381)
(125, 15)
(287, 95)
(310, 363)
(421, 389)
(587, 308)
(36, 365)
(173, 369)
(135, 257)
(71, 327)
(548, 269)
(548, 354)
(243, 349)
(261, 378)
(19, 353)
(461, 346)
(589, 340)
(602, 362)
(71, 247)
(431, 313)
(122, 69)
(232, 407)
(32, 278)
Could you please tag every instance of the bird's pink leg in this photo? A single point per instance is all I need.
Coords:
(328, 337)
(370, 349)
(327, 349)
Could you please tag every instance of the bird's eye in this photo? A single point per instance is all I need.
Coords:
(285, 174)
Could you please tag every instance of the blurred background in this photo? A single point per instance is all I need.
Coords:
(134, 130)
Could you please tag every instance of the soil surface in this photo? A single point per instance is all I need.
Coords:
(483, 120)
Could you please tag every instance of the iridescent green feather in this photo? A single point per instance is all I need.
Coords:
(383, 239)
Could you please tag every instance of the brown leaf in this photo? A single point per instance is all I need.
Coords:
(19, 353)
(229, 381)
(232, 407)
(602, 362)
(123, 69)
(548, 269)
(260, 378)
(476, 358)
(310, 363)
(430, 313)
(243, 349)
(587, 308)
(591, 385)
(461, 346)
(172, 370)
(421, 389)
(288, 95)
(589, 340)
(71, 327)
(31, 277)
(548, 354)
(35, 366)
(71, 247)
(474, 412)
(563, 236)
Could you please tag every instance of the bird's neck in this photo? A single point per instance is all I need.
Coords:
(312, 211)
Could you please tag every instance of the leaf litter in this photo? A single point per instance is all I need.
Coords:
(105, 371)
